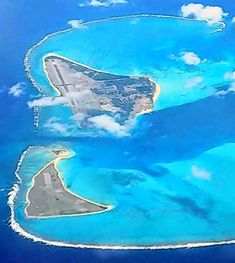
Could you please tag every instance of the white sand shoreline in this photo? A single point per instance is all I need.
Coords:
(67, 154)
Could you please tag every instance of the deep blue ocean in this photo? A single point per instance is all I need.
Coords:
(24, 23)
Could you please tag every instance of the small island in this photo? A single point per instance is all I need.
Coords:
(48, 196)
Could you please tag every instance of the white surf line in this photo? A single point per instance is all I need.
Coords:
(27, 57)
(22, 232)
(15, 189)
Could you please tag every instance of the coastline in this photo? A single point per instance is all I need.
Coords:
(155, 97)
(22, 232)
(47, 75)
(67, 154)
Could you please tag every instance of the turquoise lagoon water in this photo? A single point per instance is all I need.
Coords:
(148, 46)
(148, 210)
(172, 180)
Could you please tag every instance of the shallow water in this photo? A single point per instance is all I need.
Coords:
(166, 174)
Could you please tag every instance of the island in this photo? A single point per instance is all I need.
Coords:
(48, 196)
(91, 92)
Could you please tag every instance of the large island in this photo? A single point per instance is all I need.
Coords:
(90, 92)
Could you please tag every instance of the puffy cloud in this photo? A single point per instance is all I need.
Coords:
(232, 87)
(47, 102)
(211, 14)
(54, 101)
(200, 173)
(193, 82)
(76, 23)
(109, 124)
(82, 94)
(17, 90)
(79, 116)
(102, 3)
(233, 19)
(230, 75)
(222, 93)
(54, 125)
(190, 58)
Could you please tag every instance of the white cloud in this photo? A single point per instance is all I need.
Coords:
(54, 101)
(79, 116)
(101, 122)
(190, 58)
(54, 125)
(193, 82)
(82, 94)
(109, 124)
(200, 173)
(47, 102)
(17, 90)
(222, 93)
(233, 19)
(76, 23)
(230, 75)
(232, 87)
(211, 14)
(102, 3)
